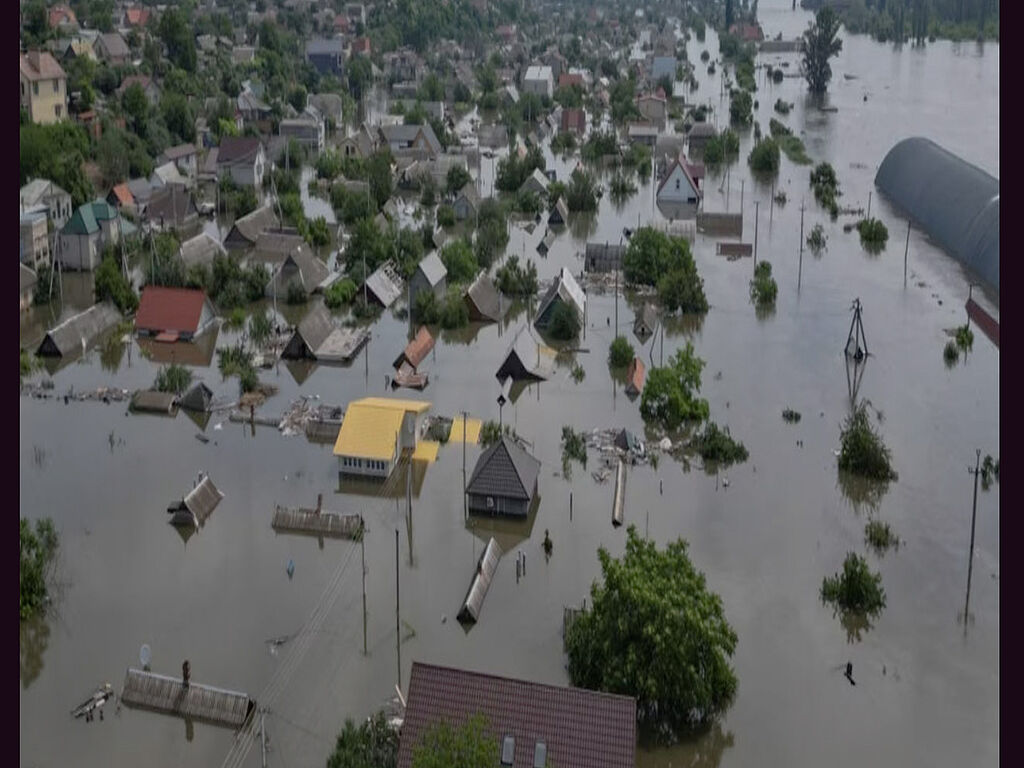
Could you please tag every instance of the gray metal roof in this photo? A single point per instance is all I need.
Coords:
(537, 358)
(955, 202)
(486, 299)
(202, 499)
(433, 268)
(299, 265)
(78, 331)
(565, 288)
(315, 327)
(252, 224)
(330, 46)
(504, 470)
(486, 567)
(201, 249)
(385, 284)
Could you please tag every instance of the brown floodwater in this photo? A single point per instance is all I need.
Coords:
(927, 685)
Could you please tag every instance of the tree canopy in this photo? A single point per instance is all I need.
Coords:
(821, 44)
(374, 744)
(657, 633)
(669, 397)
(463, 746)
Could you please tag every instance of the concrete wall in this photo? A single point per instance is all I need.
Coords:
(80, 252)
(499, 505)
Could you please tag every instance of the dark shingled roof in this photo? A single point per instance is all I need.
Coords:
(579, 728)
(505, 470)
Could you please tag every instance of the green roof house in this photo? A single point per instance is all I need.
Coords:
(91, 228)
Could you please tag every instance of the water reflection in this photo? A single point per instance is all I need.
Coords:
(702, 749)
(855, 624)
(509, 532)
(582, 225)
(861, 492)
(34, 637)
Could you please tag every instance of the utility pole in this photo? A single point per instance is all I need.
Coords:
(974, 514)
(398, 623)
(771, 206)
(465, 501)
(800, 268)
(362, 557)
(869, 205)
(743, 183)
(616, 302)
(263, 735)
(757, 204)
(408, 501)
(906, 250)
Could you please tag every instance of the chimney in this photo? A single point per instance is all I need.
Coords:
(33, 59)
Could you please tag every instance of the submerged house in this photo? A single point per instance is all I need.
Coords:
(316, 338)
(484, 301)
(646, 323)
(246, 230)
(385, 285)
(79, 331)
(415, 352)
(679, 185)
(170, 314)
(559, 213)
(504, 480)
(201, 250)
(565, 290)
(431, 275)
(527, 359)
(375, 432)
(300, 267)
(529, 724)
(467, 204)
(635, 377)
(603, 257)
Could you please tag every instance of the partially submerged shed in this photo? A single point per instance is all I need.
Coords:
(79, 331)
(316, 338)
(559, 213)
(301, 268)
(954, 202)
(415, 351)
(635, 377)
(487, 565)
(198, 398)
(431, 275)
(603, 257)
(646, 323)
(527, 359)
(170, 314)
(198, 505)
(484, 301)
(546, 242)
(153, 401)
(201, 250)
(384, 285)
(565, 290)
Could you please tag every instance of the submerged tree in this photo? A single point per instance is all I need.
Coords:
(820, 45)
(374, 744)
(657, 633)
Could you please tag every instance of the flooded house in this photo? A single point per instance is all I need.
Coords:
(299, 268)
(530, 724)
(564, 290)
(246, 230)
(79, 331)
(527, 359)
(170, 314)
(504, 480)
(678, 186)
(375, 433)
(430, 275)
(484, 301)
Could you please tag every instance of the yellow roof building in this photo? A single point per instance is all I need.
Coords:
(371, 427)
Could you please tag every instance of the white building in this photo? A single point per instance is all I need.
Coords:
(539, 80)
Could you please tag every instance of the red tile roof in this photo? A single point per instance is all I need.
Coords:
(60, 13)
(123, 194)
(635, 376)
(567, 79)
(417, 349)
(574, 120)
(169, 309)
(361, 45)
(137, 17)
(341, 23)
(580, 728)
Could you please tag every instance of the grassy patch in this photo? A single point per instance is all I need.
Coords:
(574, 447)
(715, 444)
(855, 589)
(620, 354)
(862, 451)
(790, 416)
(763, 288)
(873, 234)
(879, 536)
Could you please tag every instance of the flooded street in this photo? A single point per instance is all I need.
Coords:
(927, 685)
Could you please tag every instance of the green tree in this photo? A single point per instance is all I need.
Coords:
(136, 106)
(110, 284)
(360, 75)
(38, 553)
(581, 195)
(764, 157)
(856, 590)
(458, 259)
(260, 327)
(464, 746)
(656, 632)
(741, 107)
(728, 14)
(374, 744)
(821, 44)
(670, 395)
(177, 116)
(565, 322)
(458, 177)
(653, 255)
(56, 152)
(620, 354)
(172, 378)
(176, 33)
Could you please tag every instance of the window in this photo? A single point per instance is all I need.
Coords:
(677, 183)
(57, 110)
(35, 89)
(490, 502)
(508, 750)
(56, 86)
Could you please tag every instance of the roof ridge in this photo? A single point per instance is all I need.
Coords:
(570, 688)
